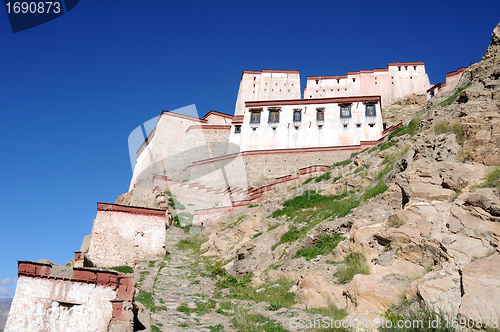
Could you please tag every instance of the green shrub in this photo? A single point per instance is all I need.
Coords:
(308, 180)
(183, 218)
(330, 311)
(275, 292)
(217, 268)
(257, 235)
(323, 245)
(192, 243)
(175, 204)
(203, 308)
(441, 127)
(183, 308)
(122, 269)
(342, 163)
(146, 298)
(421, 316)
(411, 128)
(386, 145)
(243, 320)
(324, 176)
(450, 100)
(376, 190)
(216, 328)
(272, 227)
(492, 178)
(354, 263)
(395, 221)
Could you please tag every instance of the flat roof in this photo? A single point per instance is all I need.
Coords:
(309, 101)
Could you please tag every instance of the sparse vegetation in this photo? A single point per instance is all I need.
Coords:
(275, 292)
(122, 269)
(395, 221)
(192, 243)
(146, 298)
(492, 179)
(442, 127)
(175, 204)
(354, 263)
(422, 317)
(323, 245)
(411, 128)
(257, 235)
(450, 100)
(243, 320)
(330, 311)
(183, 220)
(324, 176)
(308, 180)
(342, 163)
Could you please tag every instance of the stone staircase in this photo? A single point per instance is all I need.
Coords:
(174, 286)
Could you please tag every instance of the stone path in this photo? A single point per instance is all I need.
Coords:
(173, 287)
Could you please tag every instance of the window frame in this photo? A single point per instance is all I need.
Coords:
(343, 109)
(318, 112)
(255, 116)
(368, 106)
(276, 112)
(299, 112)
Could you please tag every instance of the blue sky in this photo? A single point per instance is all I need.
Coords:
(73, 89)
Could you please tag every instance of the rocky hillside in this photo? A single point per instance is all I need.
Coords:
(409, 227)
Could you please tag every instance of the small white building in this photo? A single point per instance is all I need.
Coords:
(451, 83)
(308, 123)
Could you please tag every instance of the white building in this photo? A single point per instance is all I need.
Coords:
(397, 81)
(307, 123)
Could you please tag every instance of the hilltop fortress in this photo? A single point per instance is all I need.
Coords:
(200, 168)
(222, 161)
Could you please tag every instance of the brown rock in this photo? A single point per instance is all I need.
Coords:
(481, 287)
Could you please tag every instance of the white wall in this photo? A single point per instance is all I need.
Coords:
(37, 306)
(308, 134)
(267, 85)
(398, 80)
(120, 238)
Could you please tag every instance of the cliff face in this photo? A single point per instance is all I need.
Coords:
(427, 221)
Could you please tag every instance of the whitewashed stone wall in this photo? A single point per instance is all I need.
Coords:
(122, 235)
(396, 81)
(309, 132)
(267, 85)
(60, 299)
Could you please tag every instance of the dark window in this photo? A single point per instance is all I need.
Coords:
(255, 117)
(237, 129)
(345, 111)
(274, 116)
(370, 110)
(297, 116)
(320, 115)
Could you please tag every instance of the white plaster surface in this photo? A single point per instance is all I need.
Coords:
(59, 306)
(397, 81)
(120, 238)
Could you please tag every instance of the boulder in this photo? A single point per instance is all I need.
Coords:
(313, 291)
(481, 288)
